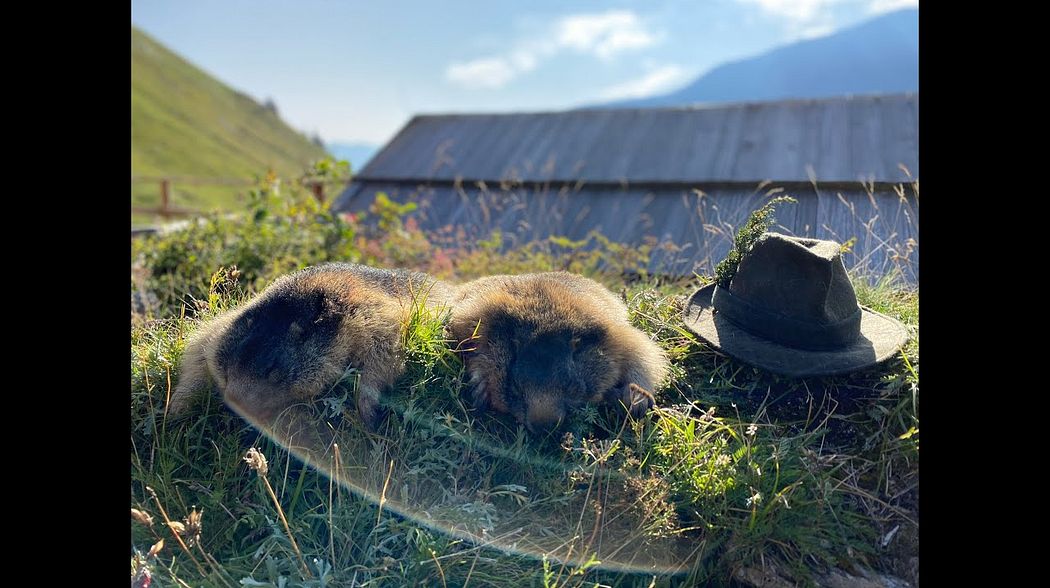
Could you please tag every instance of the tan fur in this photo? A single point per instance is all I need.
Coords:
(195, 373)
(502, 320)
(274, 352)
(367, 312)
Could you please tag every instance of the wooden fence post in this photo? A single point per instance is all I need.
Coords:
(165, 185)
(318, 190)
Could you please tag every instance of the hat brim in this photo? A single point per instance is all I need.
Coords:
(880, 338)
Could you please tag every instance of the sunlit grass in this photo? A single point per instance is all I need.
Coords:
(739, 467)
(736, 469)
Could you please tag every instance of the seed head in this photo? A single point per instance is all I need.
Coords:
(142, 517)
(193, 526)
(257, 461)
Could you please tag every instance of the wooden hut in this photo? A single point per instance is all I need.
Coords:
(679, 178)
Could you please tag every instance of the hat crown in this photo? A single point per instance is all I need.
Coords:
(790, 308)
(801, 279)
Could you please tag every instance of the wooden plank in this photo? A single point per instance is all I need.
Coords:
(728, 146)
(702, 226)
(706, 135)
(865, 151)
(900, 138)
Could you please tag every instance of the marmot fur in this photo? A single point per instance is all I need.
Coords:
(535, 346)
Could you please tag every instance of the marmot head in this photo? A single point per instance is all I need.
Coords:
(537, 350)
(278, 348)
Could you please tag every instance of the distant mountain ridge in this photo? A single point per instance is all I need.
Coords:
(358, 154)
(878, 56)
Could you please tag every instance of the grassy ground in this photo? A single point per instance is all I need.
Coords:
(735, 471)
(184, 122)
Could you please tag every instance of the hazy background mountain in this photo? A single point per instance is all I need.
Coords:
(357, 154)
(878, 56)
(184, 122)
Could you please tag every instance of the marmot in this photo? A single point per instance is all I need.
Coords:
(535, 346)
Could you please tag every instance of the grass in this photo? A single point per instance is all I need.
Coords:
(735, 471)
(184, 122)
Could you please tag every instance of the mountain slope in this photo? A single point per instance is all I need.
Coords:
(186, 123)
(878, 56)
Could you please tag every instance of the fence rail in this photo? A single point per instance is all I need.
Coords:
(165, 186)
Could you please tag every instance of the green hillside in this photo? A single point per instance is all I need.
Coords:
(186, 123)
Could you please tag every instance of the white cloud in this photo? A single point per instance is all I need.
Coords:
(659, 79)
(807, 11)
(798, 10)
(807, 19)
(818, 29)
(490, 72)
(880, 6)
(523, 60)
(602, 35)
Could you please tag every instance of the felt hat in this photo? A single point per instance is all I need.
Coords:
(790, 309)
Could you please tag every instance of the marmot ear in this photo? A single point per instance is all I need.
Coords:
(480, 396)
(641, 400)
(634, 398)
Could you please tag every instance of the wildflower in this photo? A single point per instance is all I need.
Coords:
(141, 575)
(755, 499)
(193, 526)
(142, 517)
(567, 441)
(752, 429)
(257, 461)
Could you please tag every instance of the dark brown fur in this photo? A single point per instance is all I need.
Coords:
(535, 346)
(298, 337)
(538, 346)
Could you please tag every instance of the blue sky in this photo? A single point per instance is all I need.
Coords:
(356, 71)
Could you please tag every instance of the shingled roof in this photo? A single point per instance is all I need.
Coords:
(832, 140)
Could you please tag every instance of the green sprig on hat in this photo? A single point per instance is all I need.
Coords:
(757, 223)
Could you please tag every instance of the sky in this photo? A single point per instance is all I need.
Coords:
(354, 71)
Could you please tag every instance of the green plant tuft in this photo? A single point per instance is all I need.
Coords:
(757, 223)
